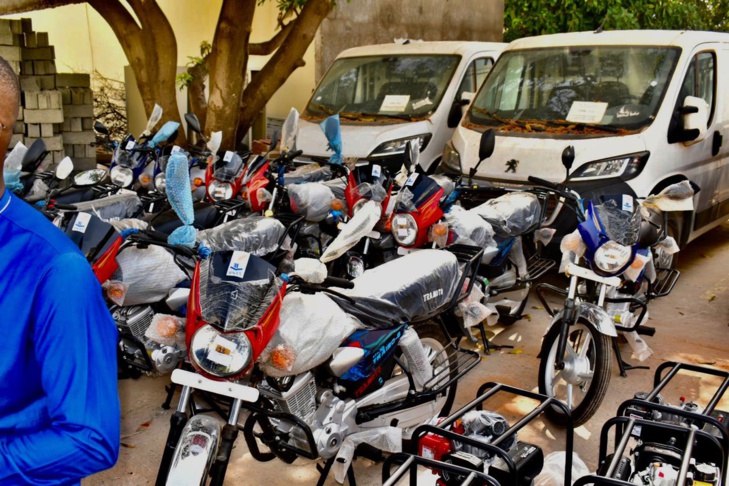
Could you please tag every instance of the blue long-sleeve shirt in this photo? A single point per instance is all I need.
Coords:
(59, 405)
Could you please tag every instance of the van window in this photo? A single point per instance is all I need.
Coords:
(700, 80)
(396, 87)
(475, 74)
(577, 91)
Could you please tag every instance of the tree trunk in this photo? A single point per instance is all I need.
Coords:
(286, 59)
(227, 66)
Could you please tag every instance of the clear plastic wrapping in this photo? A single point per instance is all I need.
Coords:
(676, 197)
(402, 290)
(312, 327)
(484, 426)
(357, 228)
(129, 223)
(149, 273)
(308, 173)
(469, 228)
(312, 200)
(373, 192)
(388, 439)
(311, 270)
(621, 226)
(471, 309)
(113, 208)
(14, 160)
(511, 214)
(258, 235)
(553, 470)
(338, 186)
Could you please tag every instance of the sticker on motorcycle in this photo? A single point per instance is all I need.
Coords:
(82, 222)
(228, 156)
(376, 171)
(176, 148)
(222, 352)
(238, 264)
(627, 202)
(130, 145)
(411, 180)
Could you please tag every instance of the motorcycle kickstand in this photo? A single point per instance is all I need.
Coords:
(487, 344)
(170, 389)
(324, 472)
(624, 366)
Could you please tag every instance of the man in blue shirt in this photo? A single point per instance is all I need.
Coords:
(59, 405)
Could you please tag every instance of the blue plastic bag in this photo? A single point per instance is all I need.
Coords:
(180, 197)
(164, 133)
(333, 131)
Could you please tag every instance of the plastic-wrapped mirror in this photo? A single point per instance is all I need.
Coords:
(154, 118)
(193, 123)
(165, 133)
(216, 139)
(101, 128)
(89, 177)
(412, 154)
(288, 132)
(64, 169)
(333, 131)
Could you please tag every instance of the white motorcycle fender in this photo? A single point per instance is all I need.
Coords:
(190, 464)
(594, 314)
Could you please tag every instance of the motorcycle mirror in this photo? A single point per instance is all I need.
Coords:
(412, 154)
(64, 169)
(288, 131)
(101, 128)
(89, 177)
(34, 155)
(193, 123)
(487, 145)
(568, 157)
(274, 140)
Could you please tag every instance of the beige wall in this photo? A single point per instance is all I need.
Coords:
(84, 42)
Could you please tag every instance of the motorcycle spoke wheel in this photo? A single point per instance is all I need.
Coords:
(583, 382)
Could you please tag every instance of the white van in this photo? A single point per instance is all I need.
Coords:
(389, 94)
(643, 109)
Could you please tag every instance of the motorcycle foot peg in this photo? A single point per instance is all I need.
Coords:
(646, 330)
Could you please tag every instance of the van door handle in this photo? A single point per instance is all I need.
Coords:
(716, 143)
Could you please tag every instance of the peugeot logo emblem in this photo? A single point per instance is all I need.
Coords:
(511, 165)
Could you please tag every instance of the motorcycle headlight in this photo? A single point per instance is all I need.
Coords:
(404, 229)
(612, 257)
(160, 182)
(359, 205)
(396, 147)
(451, 159)
(626, 167)
(220, 190)
(121, 176)
(221, 355)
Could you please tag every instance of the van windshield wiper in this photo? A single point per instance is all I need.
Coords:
(322, 108)
(357, 115)
(565, 123)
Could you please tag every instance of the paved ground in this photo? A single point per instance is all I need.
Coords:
(692, 327)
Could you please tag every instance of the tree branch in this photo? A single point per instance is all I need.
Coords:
(22, 6)
(266, 48)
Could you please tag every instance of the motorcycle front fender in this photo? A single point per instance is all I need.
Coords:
(195, 451)
(593, 314)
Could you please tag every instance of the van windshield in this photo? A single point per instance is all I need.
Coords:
(581, 91)
(383, 88)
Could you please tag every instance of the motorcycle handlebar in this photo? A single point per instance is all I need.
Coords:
(65, 207)
(342, 283)
(552, 187)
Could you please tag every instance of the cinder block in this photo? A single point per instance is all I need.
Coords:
(38, 53)
(78, 111)
(30, 100)
(57, 128)
(68, 148)
(32, 130)
(48, 81)
(81, 138)
(46, 130)
(50, 67)
(15, 139)
(77, 96)
(15, 65)
(43, 116)
(66, 125)
(16, 26)
(43, 103)
(19, 127)
(26, 25)
(76, 125)
(26, 68)
(90, 151)
(65, 96)
(7, 38)
(58, 156)
(42, 39)
(87, 163)
(11, 53)
(87, 123)
(30, 40)
(79, 151)
(21, 115)
(18, 40)
(52, 143)
(39, 67)
(73, 80)
(55, 100)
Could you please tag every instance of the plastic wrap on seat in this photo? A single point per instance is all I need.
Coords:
(469, 228)
(312, 200)
(338, 186)
(113, 208)
(129, 223)
(257, 235)
(511, 214)
(312, 327)
(308, 173)
(149, 274)
(402, 290)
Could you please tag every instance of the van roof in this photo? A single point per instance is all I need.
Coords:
(679, 38)
(464, 48)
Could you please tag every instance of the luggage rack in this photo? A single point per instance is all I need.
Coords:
(665, 281)
(101, 190)
(537, 267)
(151, 199)
(637, 415)
(226, 206)
(408, 461)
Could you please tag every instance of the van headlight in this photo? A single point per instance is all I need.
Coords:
(122, 176)
(451, 159)
(612, 257)
(160, 182)
(396, 147)
(626, 167)
(218, 354)
(404, 229)
(220, 190)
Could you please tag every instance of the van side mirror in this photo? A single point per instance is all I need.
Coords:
(101, 128)
(695, 116)
(466, 98)
(456, 113)
(486, 147)
(193, 123)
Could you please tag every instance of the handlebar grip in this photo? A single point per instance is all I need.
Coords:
(543, 182)
(295, 154)
(156, 235)
(65, 207)
(338, 282)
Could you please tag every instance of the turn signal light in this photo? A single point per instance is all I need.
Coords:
(337, 204)
(440, 229)
(198, 182)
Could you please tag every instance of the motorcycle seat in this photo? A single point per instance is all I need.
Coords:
(511, 214)
(650, 229)
(409, 289)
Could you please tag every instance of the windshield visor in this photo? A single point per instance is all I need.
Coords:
(228, 168)
(365, 89)
(580, 90)
(236, 288)
(617, 217)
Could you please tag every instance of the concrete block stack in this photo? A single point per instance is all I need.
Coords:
(57, 107)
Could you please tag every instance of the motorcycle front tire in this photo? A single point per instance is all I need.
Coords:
(431, 331)
(599, 356)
